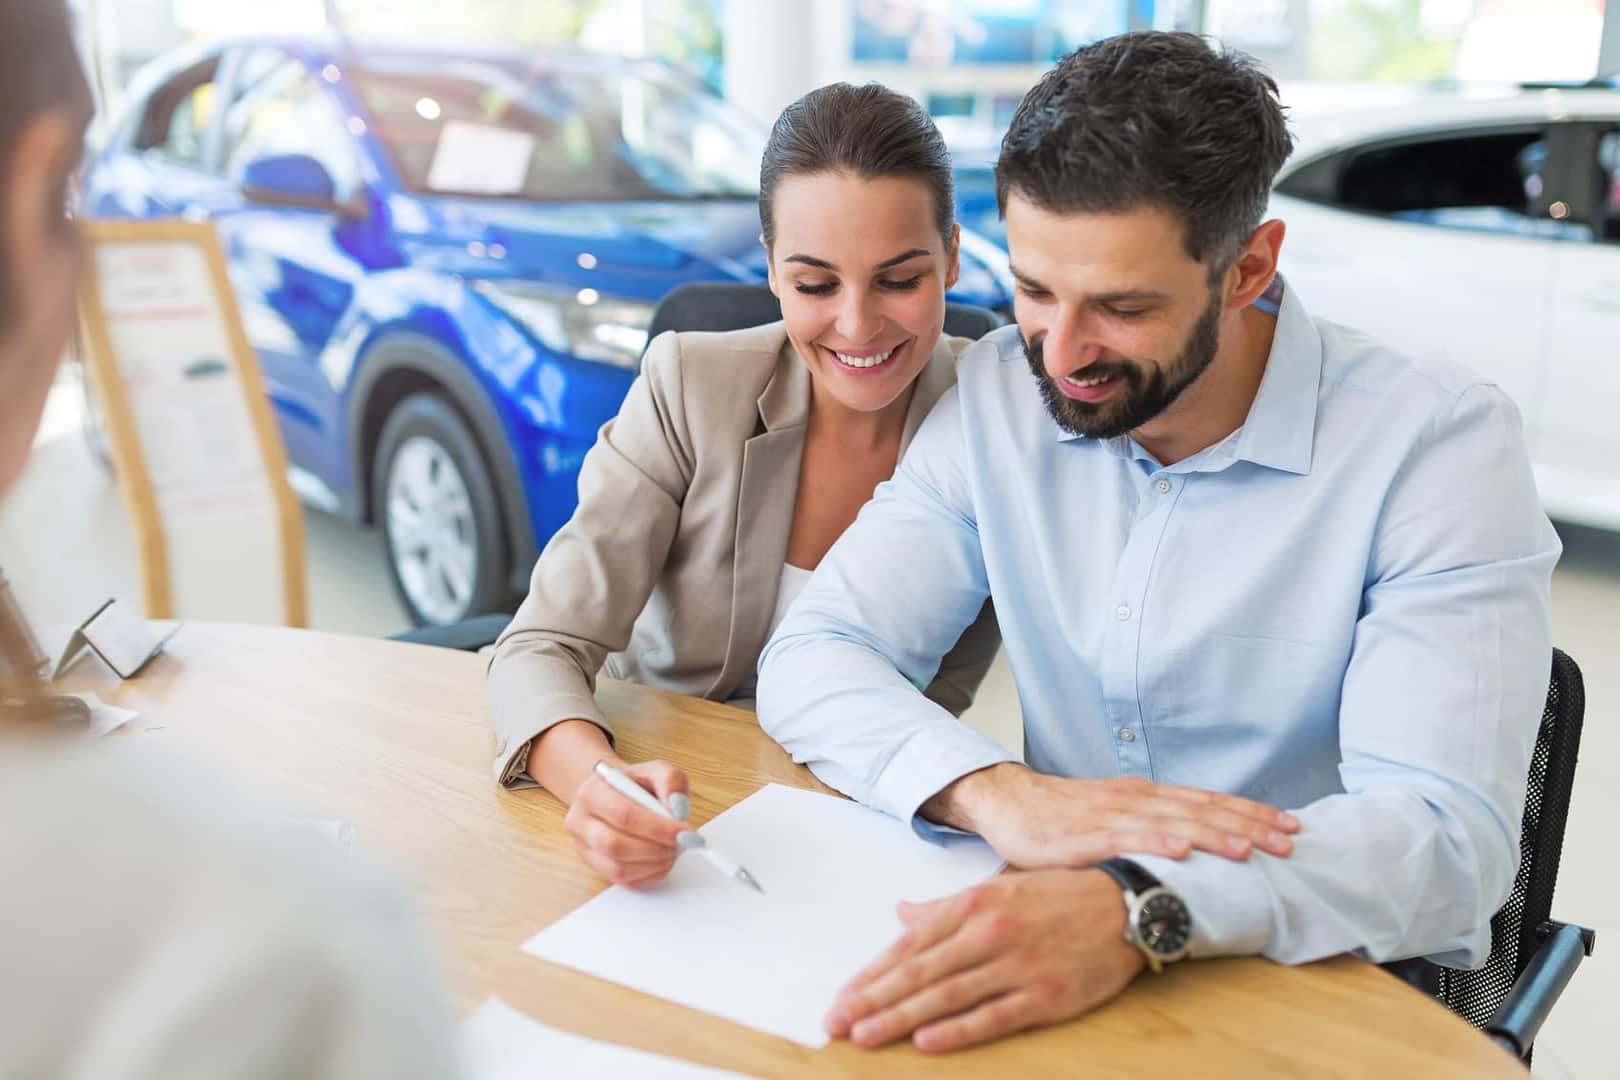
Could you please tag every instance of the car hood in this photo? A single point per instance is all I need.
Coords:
(638, 249)
(632, 249)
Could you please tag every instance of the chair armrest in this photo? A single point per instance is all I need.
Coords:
(1517, 1020)
(468, 635)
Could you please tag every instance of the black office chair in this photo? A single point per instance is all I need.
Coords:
(1532, 955)
(729, 305)
(698, 305)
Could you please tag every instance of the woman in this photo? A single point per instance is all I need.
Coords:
(734, 464)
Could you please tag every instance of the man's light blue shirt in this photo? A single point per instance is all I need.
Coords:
(1341, 609)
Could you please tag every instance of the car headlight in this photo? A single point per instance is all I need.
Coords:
(583, 322)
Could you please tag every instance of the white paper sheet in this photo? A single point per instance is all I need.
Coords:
(500, 1043)
(832, 871)
(104, 718)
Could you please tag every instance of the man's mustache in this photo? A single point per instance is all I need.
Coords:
(1036, 351)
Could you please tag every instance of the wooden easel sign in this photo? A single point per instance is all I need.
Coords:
(199, 459)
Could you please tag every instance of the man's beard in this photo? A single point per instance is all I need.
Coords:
(1144, 396)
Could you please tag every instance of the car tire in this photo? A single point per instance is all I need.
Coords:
(440, 516)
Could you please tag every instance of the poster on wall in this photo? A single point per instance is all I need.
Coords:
(199, 459)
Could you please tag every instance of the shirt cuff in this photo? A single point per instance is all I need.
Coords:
(928, 763)
(1230, 902)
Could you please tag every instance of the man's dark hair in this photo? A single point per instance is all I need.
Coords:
(1151, 119)
(868, 131)
(39, 69)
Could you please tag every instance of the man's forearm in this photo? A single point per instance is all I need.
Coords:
(968, 802)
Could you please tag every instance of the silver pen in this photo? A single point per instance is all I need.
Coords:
(691, 840)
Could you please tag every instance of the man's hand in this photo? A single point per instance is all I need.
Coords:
(1033, 820)
(1020, 951)
(621, 841)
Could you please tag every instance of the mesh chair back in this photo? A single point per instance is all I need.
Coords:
(1515, 929)
(725, 305)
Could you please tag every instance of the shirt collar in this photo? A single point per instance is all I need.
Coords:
(1281, 426)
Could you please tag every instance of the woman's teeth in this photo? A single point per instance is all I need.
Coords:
(863, 361)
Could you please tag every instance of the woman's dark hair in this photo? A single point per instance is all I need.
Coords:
(39, 69)
(1152, 119)
(868, 131)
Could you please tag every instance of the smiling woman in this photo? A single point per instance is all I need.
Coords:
(735, 463)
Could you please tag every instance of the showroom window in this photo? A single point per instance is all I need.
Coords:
(1607, 225)
(559, 133)
(281, 109)
(1488, 181)
(175, 126)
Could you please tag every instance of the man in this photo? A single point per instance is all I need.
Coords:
(1229, 546)
(150, 925)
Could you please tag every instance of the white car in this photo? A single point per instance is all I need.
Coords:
(1486, 227)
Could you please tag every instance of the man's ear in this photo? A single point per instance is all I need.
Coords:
(1251, 273)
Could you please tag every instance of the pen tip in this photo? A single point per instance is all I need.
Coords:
(748, 879)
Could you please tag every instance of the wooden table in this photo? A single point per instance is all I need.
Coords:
(392, 739)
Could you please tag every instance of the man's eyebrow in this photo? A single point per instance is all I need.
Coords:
(1024, 279)
(823, 264)
(1118, 296)
(1127, 296)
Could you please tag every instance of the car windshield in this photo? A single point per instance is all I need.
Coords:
(539, 131)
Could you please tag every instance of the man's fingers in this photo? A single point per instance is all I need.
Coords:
(941, 997)
(1271, 816)
(995, 1018)
(851, 1003)
(597, 800)
(913, 914)
(1171, 815)
(967, 945)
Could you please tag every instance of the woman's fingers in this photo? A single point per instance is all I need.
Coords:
(666, 782)
(598, 800)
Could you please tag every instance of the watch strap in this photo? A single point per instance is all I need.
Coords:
(1128, 875)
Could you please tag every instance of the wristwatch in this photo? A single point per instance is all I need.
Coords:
(1157, 920)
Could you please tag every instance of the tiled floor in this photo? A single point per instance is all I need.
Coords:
(65, 544)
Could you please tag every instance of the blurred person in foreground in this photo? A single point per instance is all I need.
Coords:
(151, 924)
(1229, 545)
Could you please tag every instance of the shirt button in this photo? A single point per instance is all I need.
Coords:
(1162, 487)
(1122, 612)
(1126, 735)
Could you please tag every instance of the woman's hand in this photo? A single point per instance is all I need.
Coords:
(618, 839)
(623, 842)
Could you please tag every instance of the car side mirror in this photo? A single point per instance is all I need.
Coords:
(295, 180)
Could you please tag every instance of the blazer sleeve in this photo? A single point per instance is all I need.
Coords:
(595, 575)
(964, 667)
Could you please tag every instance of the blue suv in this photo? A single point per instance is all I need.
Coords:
(447, 261)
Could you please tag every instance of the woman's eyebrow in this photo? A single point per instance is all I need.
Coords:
(823, 264)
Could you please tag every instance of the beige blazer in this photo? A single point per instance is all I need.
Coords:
(667, 573)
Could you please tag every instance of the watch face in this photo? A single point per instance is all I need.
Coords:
(1163, 924)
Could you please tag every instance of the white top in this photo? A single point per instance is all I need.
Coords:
(155, 924)
(788, 588)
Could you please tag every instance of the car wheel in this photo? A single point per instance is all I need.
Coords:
(440, 517)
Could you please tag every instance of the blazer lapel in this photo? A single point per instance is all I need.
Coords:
(765, 499)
